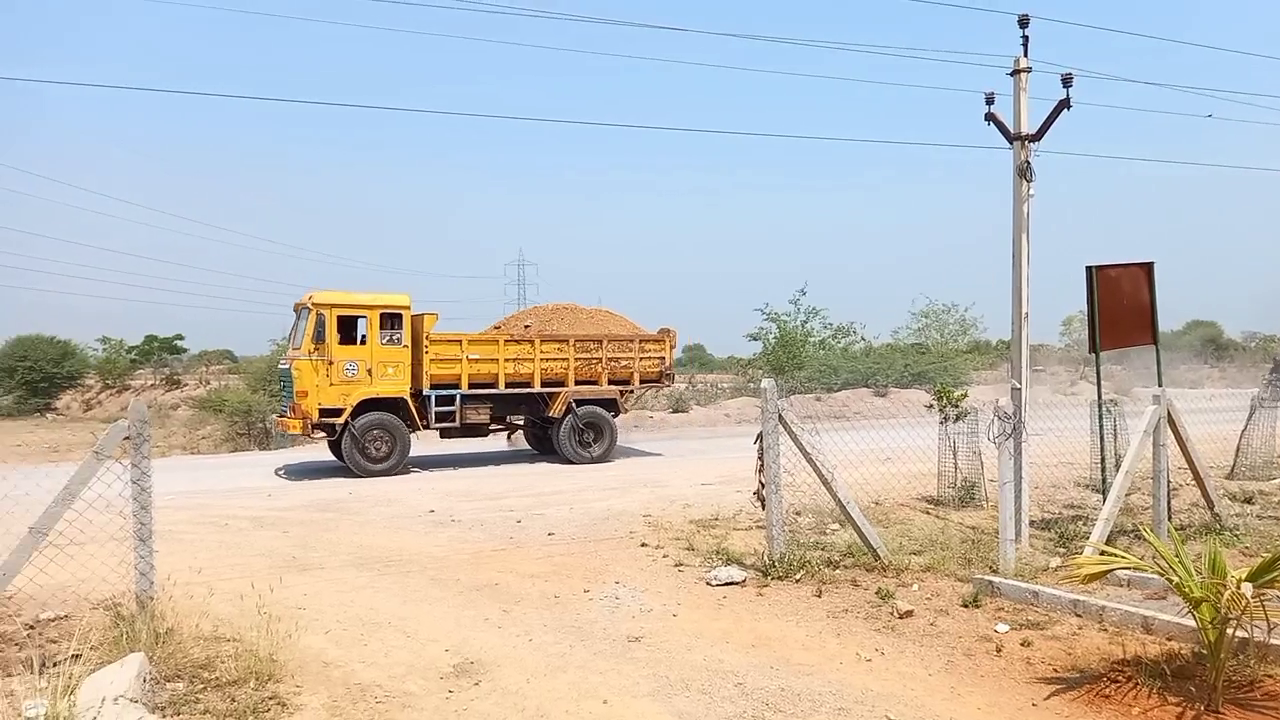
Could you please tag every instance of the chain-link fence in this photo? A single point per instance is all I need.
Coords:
(73, 534)
(926, 479)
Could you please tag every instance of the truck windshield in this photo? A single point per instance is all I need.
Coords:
(299, 331)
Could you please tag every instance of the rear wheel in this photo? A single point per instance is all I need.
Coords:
(376, 445)
(538, 436)
(584, 435)
(335, 447)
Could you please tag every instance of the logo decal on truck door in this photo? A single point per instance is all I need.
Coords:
(350, 369)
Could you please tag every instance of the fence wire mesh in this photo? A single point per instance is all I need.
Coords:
(928, 485)
(77, 533)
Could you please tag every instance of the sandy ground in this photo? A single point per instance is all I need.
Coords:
(491, 583)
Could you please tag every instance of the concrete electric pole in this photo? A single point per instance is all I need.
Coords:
(1021, 140)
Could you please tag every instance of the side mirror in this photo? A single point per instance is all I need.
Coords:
(317, 337)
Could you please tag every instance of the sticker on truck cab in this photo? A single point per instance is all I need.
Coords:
(350, 369)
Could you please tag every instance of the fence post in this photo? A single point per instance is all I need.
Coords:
(1007, 501)
(1160, 469)
(771, 446)
(141, 502)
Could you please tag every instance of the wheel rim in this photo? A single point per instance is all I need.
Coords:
(377, 445)
(590, 436)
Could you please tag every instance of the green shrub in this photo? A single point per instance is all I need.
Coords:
(113, 363)
(244, 415)
(36, 369)
(679, 402)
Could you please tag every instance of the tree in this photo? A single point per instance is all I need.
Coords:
(1205, 339)
(36, 369)
(941, 327)
(694, 357)
(113, 363)
(800, 344)
(215, 357)
(158, 351)
(1073, 333)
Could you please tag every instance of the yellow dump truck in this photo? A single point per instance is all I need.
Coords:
(363, 372)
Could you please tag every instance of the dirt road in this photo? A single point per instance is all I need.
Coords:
(492, 584)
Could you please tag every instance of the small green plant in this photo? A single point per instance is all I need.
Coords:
(973, 599)
(1222, 601)
(1026, 642)
(679, 402)
(949, 403)
(886, 594)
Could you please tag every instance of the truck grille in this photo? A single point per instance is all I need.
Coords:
(286, 390)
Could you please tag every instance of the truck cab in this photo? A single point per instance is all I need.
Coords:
(344, 349)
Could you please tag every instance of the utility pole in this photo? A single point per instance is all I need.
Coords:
(1021, 141)
(517, 274)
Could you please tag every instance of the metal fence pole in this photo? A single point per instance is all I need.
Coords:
(771, 444)
(1160, 505)
(141, 502)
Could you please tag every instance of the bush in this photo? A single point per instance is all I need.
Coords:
(245, 416)
(113, 364)
(36, 369)
(679, 402)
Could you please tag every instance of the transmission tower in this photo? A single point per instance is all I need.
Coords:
(517, 273)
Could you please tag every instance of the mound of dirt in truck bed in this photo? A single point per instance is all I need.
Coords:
(564, 319)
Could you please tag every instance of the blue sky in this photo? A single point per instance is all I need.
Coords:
(688, 231)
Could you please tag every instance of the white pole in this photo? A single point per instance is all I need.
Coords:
(1019, 338)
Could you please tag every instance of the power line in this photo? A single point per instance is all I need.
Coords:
(229, 243)
(700, 64)
(1099, 28)
(821, 44)
(1098, 75)
(140, 287)
(145, 275)
(306, 288)
(620, 125)
(173, 263)
(860, 48)
(138, 300)
(233, 231)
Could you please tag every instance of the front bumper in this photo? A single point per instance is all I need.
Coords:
(293, 426)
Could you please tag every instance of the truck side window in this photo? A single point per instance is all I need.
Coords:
(391, 329)
(317, 337)
(353, 329)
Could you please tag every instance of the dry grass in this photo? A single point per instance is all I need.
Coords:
(202, 668)
(919, 540)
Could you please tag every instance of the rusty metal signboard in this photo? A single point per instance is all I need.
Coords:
(1122, 306)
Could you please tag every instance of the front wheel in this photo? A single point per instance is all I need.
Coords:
(585, 435)
(376, 445)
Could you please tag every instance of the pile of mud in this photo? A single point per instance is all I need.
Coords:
(564, 319)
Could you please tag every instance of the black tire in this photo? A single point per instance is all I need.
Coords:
(538, 437)
(335, 447)
(586, 435)
(376, 445)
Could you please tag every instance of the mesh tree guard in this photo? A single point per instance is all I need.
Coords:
(1115, 435)
(961, 479)
(1255, 456)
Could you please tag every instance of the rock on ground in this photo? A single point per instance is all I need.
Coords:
(117, 691)
(726, 575)
(902, 610)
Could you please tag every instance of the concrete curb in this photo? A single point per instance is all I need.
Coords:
(1103, 611)
(1150, 622)
(1136, 581)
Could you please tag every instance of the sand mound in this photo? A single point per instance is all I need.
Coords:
(564, 319)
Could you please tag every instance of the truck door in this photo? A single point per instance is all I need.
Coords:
(351, 349)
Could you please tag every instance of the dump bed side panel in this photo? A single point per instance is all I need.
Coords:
(475, 362)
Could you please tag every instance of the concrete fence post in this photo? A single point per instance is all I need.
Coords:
(771, 447)
(141, 502)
